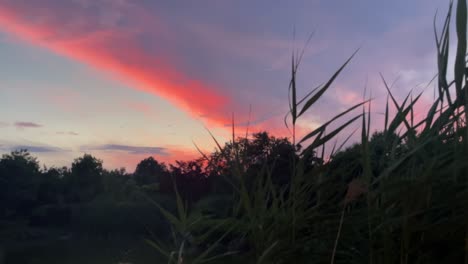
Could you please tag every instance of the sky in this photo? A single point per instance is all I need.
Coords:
(127, 79)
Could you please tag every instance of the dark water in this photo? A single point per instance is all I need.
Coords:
(85, 250)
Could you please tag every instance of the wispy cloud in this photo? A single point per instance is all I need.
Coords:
(128, 149)
(22, 125)
(30, 148)
(70, 133)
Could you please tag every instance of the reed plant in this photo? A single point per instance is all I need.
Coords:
(398, 196)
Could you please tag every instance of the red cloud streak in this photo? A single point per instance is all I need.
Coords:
(117, 53)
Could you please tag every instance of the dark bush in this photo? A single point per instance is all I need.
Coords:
(51, 216)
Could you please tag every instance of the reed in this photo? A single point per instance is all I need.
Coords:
(397, 196)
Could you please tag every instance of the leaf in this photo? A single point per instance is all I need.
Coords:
(396, 164)
(158, 248)
(293, 92)
(317, 130)
(397, 106)
(169, 216)
(180, 208)
(346, 140)
(214, 139)
(201, 152)
(314, 98)
(333, 149)
(369, 114)
(460, 62)
(401, 116)
(266, 252)
(386, 115)
(202, 256)
(430, 114)
(321, 141)
(308, 94)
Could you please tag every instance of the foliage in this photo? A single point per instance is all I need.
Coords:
(149, 171)
(84, 181)
(396, 197)
(19, 173)
(191, 180)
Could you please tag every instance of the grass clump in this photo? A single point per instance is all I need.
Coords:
(398, 196)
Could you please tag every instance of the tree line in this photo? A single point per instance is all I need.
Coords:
(86, 197)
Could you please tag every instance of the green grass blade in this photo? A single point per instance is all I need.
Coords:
(159, 248)
(460, 62)
(320, 141)
(293, 91)
(412, 113)
(333, 149)
(215, 140)
(369, 114)
(401, 116)
(430, 115)
(346, 140)
(265, 253)
(317, 130)
(314, 98)
(181, 209)
(202, 257)
(386, 115)
(309, 94)
(168, 215)
(396, 164)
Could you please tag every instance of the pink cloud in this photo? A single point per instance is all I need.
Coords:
(347, 97)
(140, 107)
(69, 133)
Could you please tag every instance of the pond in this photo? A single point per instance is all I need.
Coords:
(81, 250)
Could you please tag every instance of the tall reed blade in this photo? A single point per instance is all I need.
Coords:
(316, 96)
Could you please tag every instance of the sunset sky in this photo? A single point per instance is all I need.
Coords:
(126, 79)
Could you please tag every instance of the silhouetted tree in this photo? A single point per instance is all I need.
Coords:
(254, 153)
(115, 183)
(149, 171)
(190, 178)
(19, 180)
(85, 179)
(383, 147)
(51, 185)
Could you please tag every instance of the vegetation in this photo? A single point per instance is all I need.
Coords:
(398, 196)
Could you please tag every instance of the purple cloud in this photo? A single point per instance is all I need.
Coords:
(30, 148)
(70, 133)
(27, 125)
(128, 149)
